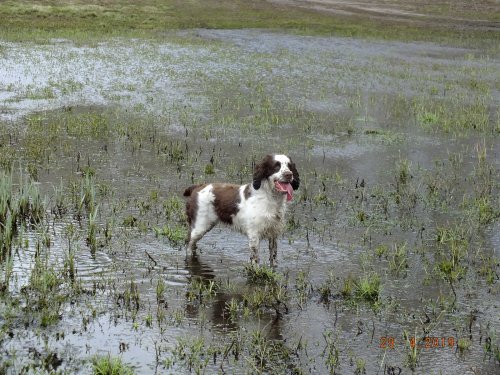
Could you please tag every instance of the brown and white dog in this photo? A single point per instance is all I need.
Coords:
(256, 209)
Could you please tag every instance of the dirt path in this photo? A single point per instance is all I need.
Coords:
(421, 12)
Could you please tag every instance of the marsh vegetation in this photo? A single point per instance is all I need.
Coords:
(390, 261)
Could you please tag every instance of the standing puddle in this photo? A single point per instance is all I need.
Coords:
(395, 196)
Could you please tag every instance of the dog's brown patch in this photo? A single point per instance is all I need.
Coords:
(264, 169)
(227, 198)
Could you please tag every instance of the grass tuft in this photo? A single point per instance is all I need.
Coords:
(107, 365)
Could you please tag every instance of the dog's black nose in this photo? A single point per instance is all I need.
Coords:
(288, 175)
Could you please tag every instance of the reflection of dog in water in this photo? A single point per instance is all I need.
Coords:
(256, 209)
(202, 273)
(199, 269)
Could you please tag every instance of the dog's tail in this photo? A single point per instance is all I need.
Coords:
(189, 190)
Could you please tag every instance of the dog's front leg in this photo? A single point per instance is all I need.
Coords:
(273, 251)
(253, 241)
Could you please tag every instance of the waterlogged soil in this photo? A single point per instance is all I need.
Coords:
(382, 168)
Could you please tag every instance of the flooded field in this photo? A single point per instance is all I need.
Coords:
(390, 261)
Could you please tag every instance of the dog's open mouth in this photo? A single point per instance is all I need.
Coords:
(285, 188)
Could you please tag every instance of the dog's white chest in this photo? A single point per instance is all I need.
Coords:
(261, 216)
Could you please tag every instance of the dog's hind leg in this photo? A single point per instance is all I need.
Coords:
(195, 234)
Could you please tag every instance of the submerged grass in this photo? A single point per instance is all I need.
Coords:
(20, 205)
(440, 211)
(242, 351)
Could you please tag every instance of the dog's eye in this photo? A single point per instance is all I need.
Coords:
(277, 164)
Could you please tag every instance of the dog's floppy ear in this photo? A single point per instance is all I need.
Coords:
(262, 170)
(296, 180)
(256, 184)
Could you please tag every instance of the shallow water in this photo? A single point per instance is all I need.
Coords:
(335, 96)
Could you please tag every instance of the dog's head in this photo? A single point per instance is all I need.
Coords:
(280, 172)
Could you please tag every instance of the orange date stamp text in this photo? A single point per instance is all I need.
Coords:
(427, 342)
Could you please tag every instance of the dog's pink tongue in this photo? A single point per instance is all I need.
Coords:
(289, 192)
(286, 187)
